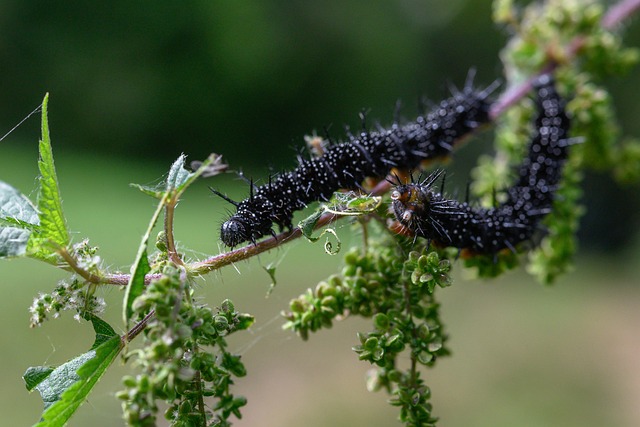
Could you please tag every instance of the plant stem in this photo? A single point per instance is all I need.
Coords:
(73, 265)
(198, 383)
(169, 211)
(138, 327)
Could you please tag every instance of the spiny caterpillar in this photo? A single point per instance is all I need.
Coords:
(345, 165)
(449, 223)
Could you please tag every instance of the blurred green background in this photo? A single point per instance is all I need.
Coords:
(134, 84)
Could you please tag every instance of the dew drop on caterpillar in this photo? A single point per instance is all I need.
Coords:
(345, 165)
(422, 208)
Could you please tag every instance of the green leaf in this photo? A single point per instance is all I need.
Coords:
(308, 224)
(53, 228)
(352, 204)
(155, 192)
(35, 375)
(66, 387)
(136, 283)
(271, 271)
(180, 178)
(140, 268)
(18, 218)
(178, 175)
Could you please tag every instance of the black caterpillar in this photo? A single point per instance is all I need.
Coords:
(345, 165)
(449, 223)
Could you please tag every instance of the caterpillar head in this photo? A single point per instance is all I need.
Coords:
(234, 231)
(412, 202)
(408, 203)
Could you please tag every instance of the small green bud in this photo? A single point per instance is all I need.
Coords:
(143, 383)
(371, 343)
(161, 241)
(394, 376)
(433, 258)
(351, 258)
(296, 306)
(321, 288)
(335, 281)
(425, 357)
(423, 331)
(227, 306)
(381, 321)
(378, 354)
(435, 346)
(129, 381)
(123, 395)
(221, 323)
(330, 302)
(245, 321)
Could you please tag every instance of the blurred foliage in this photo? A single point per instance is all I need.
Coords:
(155, 79)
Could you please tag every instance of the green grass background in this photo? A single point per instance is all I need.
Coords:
(523, 354)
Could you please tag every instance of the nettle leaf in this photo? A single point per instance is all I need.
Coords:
(18, 219)
(53, 228)
(178, 175)
(35, 375)
(308, 224)
(155, 192)
(179, 178)
(140, 268)
(66, 387)
(352, 204)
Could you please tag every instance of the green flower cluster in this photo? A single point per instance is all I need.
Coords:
(396, 290)
(67, 295)
(73, 294)
(175, 366)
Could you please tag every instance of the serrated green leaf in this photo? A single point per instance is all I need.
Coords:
(66, 387)
(14, 222)
(308, 224)
(155, 192)
(53, 228)
(178, 175)
(104, 331)
(180, 178)
(35, 375)
(18, 218)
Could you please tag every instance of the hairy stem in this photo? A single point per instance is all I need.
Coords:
(73, 265)
(169, 211)
(138, 327)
